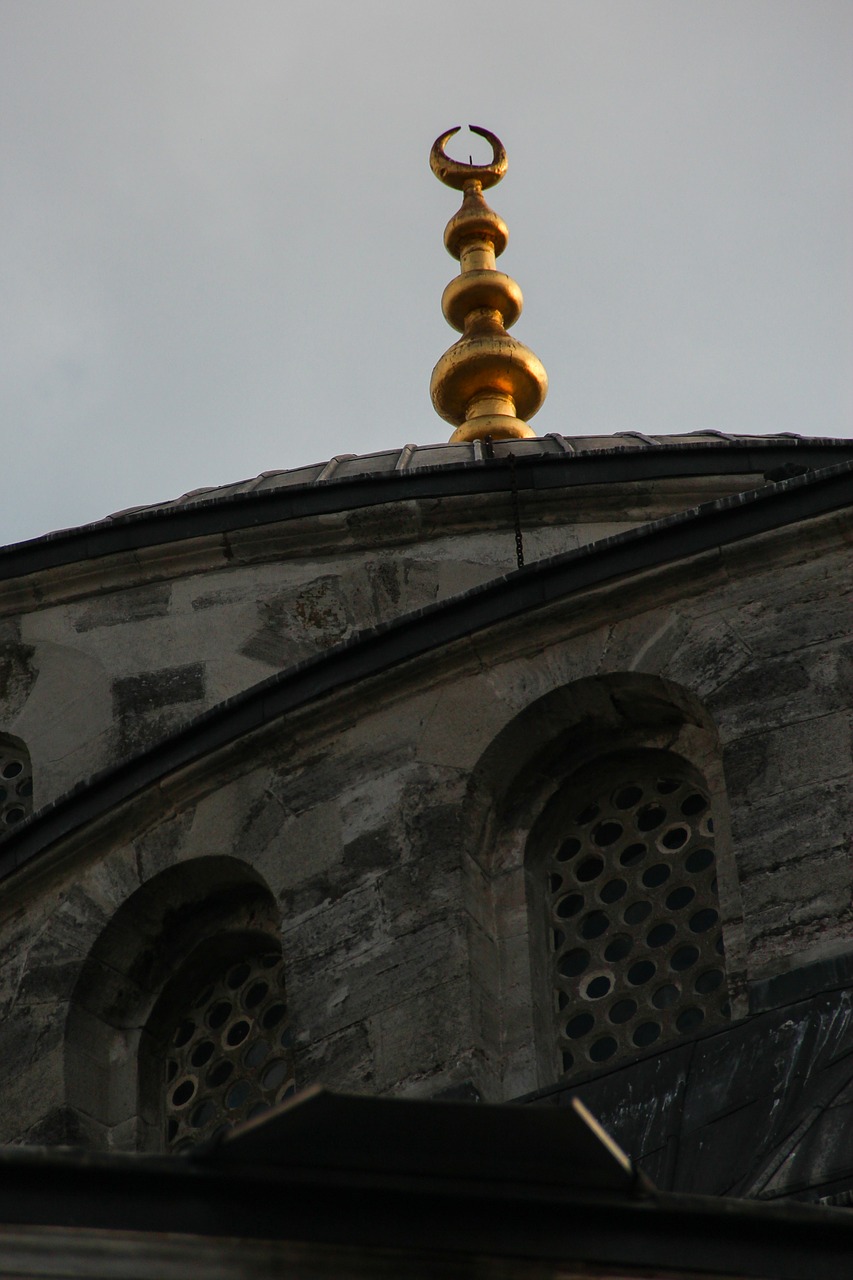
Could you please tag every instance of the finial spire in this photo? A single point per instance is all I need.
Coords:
(487, 383)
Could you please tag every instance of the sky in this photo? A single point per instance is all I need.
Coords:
(222, 242)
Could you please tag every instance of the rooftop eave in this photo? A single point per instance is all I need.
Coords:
(413, 473)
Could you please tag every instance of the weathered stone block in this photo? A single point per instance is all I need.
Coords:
(421, 891)
(163, 845)
(119, 608)
(355, 982)
(711, 654)
(319, 920)
(344, 1060)
(17, 671)
(31, 1094)
(422, 1038)
(746, 763)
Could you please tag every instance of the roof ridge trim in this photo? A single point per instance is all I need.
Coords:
(177, 521)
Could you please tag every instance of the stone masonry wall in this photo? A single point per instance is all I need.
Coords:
(405, 939)
(100, 659)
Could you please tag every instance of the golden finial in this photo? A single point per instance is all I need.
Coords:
(487, 383)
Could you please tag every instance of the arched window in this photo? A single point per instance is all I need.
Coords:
(16, 782)
(623, 887)
(177, 1024)
(225, 1055)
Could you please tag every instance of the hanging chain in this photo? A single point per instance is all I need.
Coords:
(516, 512)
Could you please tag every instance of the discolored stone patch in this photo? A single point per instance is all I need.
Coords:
(154, 703)
(119, 607)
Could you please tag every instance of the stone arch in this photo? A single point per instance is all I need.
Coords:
(161, 942)
(516, 783)
(16, 782)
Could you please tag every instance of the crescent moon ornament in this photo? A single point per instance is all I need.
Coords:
(487, 383)
(456, 174)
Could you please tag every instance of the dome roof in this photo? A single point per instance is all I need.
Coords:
(412, 458)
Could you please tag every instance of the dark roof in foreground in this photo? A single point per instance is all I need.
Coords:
(425, 1182)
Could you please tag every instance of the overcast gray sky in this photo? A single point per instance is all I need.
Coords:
(223, 245)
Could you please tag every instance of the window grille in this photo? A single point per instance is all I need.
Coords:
(633, 918)
(229, 1054)
(16, 783)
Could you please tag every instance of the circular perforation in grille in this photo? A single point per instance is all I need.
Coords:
(635, 926)
(229, 1056)
(16, 786)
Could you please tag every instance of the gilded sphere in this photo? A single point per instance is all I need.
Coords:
(477, 289)
(487, 362)
(475, 221)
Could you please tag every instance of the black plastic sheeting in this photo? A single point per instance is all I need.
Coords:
(762, 1108)
(318, 1130)
(430, 1208)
